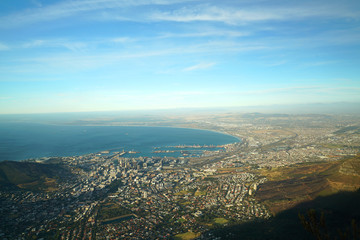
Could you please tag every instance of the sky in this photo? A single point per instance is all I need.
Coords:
(113, 55)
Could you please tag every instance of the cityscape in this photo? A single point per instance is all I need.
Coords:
(179, 119)
(116, 196)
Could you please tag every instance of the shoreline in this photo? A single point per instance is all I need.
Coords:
(112, 149)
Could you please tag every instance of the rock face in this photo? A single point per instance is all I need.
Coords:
(351, 167)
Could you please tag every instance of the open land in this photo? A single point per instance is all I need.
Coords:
(282, 160)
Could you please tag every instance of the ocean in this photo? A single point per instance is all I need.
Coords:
(21, 141)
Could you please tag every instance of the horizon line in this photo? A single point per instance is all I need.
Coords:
(268, 107)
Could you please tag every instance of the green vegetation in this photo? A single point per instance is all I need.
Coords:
(190, 191)
(186, 236)
(112, 210)
(334, 146)
(181, 193)
(348, 129)
(31, 176)
(181, 220)
(200, 193)
(221, 221)
(114, 186)
(211, 179)
(186, 203)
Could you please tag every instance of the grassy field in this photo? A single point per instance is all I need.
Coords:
(185, 203)
(200, 193)
(221, 221)
(112, 210)
(47, 184)
(187, 236)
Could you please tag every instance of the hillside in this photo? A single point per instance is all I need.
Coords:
(328, 188)
(291, 185)
(341, 215)
(31, 175)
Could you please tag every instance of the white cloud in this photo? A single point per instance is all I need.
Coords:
(34, 43)
(212, 13)
(244, 15)
(4, 47)
(36, 3)
(55, 43)
(80, 60)
(122, 40)
(72, 8)
(199, 66)
(200, 33)
(5, 98)
(276, 63)
(320, 63)
(178, 11)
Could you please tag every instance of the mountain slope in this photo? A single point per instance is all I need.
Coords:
(30, 175)
(291, 185)
(339, 210)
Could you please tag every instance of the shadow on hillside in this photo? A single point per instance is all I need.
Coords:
(339, 211)
(31, 175)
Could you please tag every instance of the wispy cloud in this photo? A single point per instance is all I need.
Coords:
(122, 40)
(320, 63)
(56, 43)
(5, 98)
(211, 13)
(80, 60)
(36, 3)
(4, 47)
(153, 10)
(276, 63)
(34, 43)
(72, 8)
(200, 33)
(246, 15)
(199, 67)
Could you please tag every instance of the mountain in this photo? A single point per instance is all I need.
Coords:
(298, 195)
(31, 175)
(288, 186)
(341, 213)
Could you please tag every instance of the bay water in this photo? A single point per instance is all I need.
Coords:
(20, 141)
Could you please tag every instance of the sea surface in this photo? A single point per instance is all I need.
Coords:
(20, 141)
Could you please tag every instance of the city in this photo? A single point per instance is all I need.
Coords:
(113, 195)
(178, 119)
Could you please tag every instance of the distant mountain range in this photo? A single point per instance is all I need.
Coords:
(151, 116)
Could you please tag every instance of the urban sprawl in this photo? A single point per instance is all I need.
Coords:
(117, 196)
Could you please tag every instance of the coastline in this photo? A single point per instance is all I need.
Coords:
(136, 146)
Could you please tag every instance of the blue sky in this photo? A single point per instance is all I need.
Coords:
(106, 55)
